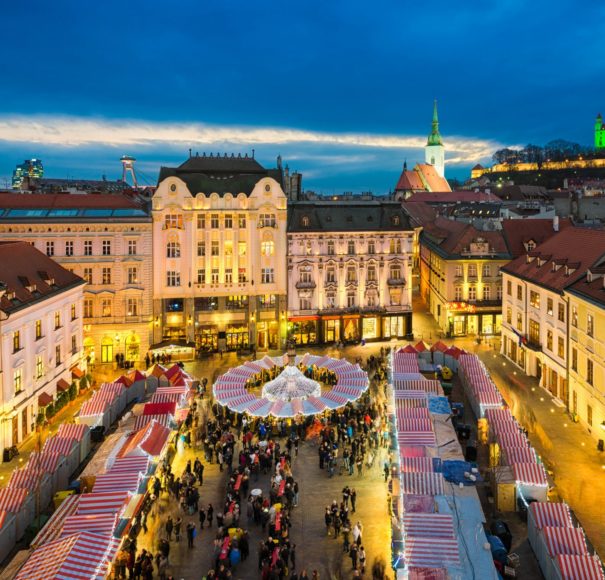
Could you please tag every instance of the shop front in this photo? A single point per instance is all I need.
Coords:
(370, 328)
(173, 350)
(303, 330)
(465, 319)
(351, 328)
(267, 335)
(206, 338)
(396, 326)
(331, 329)
(237, 336)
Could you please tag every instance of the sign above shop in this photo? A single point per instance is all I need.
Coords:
(461, 307)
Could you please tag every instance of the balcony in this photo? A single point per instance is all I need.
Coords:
(533, 344)
(395, 281)
(373, 309)
(305, 284)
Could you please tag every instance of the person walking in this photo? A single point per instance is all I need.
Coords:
(177, 528)
(293, 556)
(353, 499)
(353, 555)
(169, 527)
(346, 536)
(362, 560)
(202, 515)
(357, 533)
(190, 534)
(209, 513)
(328, 519)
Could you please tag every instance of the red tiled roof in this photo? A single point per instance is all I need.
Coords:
(431, 178)
(64, 200)
(23, 265)
(419, 212)
(594, 290)
(517, 233)
(584, 247)
(452, 196)
(409, 181)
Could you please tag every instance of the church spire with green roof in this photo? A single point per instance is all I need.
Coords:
(435, 137)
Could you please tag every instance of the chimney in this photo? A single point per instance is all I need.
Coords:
(555, 223)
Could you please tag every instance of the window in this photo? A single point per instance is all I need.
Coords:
(589, 415)
(106, 307)
(38, 329)
(395, 272)
(237, 302)
(88, 308)
(371, 299)
(201, 276)
(351, 274)
(589, 371)
(57, 355)
(214, 276)
(87, 275)
(73, 312)
(509, 288)
(132, 307)
(561, 347)
(106, 247)
(534, 299)
(57, 319)
(88, 247)
(330, 275)
(574, 316)
(16, 341)
(549, 340)
(132, 247)
(472, 270)
(133, 275)
(308, 249)
(306, 275)
(459, 270)
(574, 360)
(472, 293)
(458, 293)
(331, 251)
(173, 221)
(590, 325)
(305, 303)
(519, 292)
(106, 277)
(371, 247)
(267, 220)
(561, 312)
(530, 245)
(173, 250)
(206, 304)
(499, 292)
(534, 332)
(74, 344)
(214, 248)
(228, 276)
(305, 221)
(509, 315)
(39, 367)
(351, 299)
(241, 221)
(214, 221)
(487, 293)
(50, 248)
(351, 248)
(330, 299)
(371, 273)
(228, 221)
(267, 301)
(69, 248)
(18, 381)
(487, 271)
(201, 249)
(549, 307)
(201, 221)
(173, 278)
(267, 276)
(241, 249)
(519, 322)
(395, 246)
(242, 276)
(267, 248)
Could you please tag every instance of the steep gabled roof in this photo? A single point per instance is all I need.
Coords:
(518, 233)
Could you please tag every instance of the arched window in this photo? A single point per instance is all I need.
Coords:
(267, 248)
(173, 250)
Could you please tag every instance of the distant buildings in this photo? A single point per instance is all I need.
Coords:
(41, 328)
(30, 168)
(349, 271)
(599, 133)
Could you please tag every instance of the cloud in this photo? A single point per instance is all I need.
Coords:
(72, 132)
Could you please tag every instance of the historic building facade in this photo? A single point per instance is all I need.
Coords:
(219, 247)
(349, 271)
(106, 240)
(41, 328)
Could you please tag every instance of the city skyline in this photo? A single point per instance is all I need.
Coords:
(229, 79)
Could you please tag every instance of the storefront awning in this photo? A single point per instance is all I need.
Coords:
(302, 318)
(44, 399)
(77, 372)
(172, 343)
(62, 385)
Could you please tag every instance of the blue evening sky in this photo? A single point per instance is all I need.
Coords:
(343, 90)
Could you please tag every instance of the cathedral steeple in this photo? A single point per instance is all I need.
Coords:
(435, 137)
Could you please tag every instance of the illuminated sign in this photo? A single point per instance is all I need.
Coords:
(460, 307)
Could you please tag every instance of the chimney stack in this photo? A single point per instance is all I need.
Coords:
(555, 223)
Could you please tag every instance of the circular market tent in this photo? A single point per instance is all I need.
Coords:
(289, 392)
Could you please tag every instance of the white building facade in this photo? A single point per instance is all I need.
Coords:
(349, 271)
(41, 336)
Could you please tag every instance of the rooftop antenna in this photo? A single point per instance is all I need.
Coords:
(252, 153)
(128, 167)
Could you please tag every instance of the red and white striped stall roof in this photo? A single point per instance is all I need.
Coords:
(166, 397)
(417, 438)
(150, 441)
(404, 412)
(530, 473)
(100, 503)
(580, 567)
(498, 414)
(72, 431)
(428, 525)
(45, 461)
(414, 425)
(418, 395)
(142, 421)
(504, 425)
(131, 464)
(111, 389)
(97, 523)
(83, 556)
(427, 386)
(519, 455)
(422, 483)
(171, 390)
(59, 444)
(551, 514)
(433, 552)
(11, 500)
(107, 482)
(95, 406)
(570, 541)
(424, 573)
(349, 392)
(513, 440)
(416, 464)
(26, 478)
(405, 363)
(53, 527)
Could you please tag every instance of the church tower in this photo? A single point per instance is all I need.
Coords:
(599, 133)
(434, 152)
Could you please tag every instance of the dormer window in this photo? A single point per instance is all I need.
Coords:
(305, 221)
(530, 245)
(395, 220)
